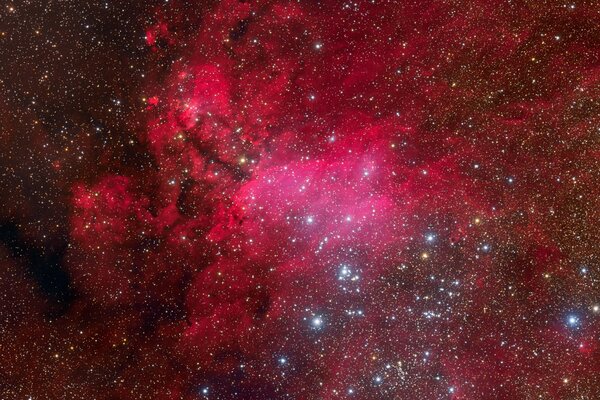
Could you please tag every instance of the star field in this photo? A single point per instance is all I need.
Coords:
(300, 200)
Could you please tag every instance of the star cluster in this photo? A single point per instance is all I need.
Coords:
(300, 200)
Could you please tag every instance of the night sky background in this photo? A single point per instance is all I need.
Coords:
(300, 199)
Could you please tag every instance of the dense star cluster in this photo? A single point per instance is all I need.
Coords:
(300, 200)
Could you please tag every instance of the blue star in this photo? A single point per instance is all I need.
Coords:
(572, 320)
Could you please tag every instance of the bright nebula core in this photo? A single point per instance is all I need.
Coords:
(300, 199)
